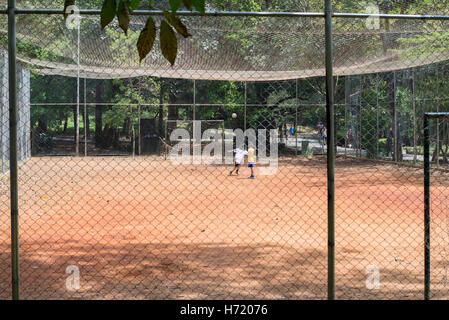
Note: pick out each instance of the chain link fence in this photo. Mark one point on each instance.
(23, 107)
(105, 212)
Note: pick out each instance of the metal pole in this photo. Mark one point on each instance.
(139, 119)
(192, 136)
(389, 16)
(143, 12)
(133, 134)
(438, 122)
(243, 14)
(244, 106)
(426, 209)
(2, 136)
(346, 127)
(395, 121)
(85, 118)
(223, 130)
(77, 133)
(13, 163)
(194, 100)
(414, 117)
(165, 141)
(377, 116)
(93, 104)
(360, 116)
(330, 150)
(296, 119)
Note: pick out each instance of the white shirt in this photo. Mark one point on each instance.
(239, 155)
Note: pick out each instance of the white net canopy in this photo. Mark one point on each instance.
(235, 48)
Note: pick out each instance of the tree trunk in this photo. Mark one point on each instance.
(98, 115)
(446, 141)
(107, 139)
(391, 101)
(161, 109)
(127, 127)
(435, 154)
(74, 108)
(42, 125)
(116, 138)
(335, 119)
(388, 43)
(268, 4)
(267, 123)
(75, 122)
(86, 122)
(66, 123)
(173, 113)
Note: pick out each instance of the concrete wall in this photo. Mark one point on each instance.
(23, 119)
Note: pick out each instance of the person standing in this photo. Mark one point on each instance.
(324, 133)
(349, 138)
(239, 156)
(251, 161)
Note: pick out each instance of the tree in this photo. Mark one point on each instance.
(170, 25)
(99, 114)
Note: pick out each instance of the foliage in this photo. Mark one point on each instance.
(169, 25)
(425, 45)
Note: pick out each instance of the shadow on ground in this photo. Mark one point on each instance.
(193, 271)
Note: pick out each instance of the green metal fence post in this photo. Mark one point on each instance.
(245, 105)
(13, 165)
(296, 117)
(330, 150)
(426, 208)
(414, 117)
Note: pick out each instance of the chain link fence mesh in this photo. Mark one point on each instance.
(439, 222)
(105, 213)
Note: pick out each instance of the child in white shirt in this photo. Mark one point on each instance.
(239, 156)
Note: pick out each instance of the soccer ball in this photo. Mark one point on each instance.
(234, 115)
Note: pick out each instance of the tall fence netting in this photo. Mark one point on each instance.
(106, 213)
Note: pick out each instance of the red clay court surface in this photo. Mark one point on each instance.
(144, 228)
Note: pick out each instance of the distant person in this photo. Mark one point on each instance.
(349, 137)
(292, 131)
(239, 156)
(251, 161)
(324, 133)
(319, 127)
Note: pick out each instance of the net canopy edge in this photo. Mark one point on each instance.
(344, 15)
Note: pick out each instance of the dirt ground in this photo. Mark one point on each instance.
(144, 228)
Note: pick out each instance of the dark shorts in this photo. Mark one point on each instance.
(237, 165)
(250, 165)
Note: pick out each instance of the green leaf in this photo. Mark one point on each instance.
(146, 39)
(174, 5)
(169, 42)
(133, 4)
(200, 5)
(177, 24)
(123, 16)
(188, 4)
(67, 3)
(150, 3)
(108, 12)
